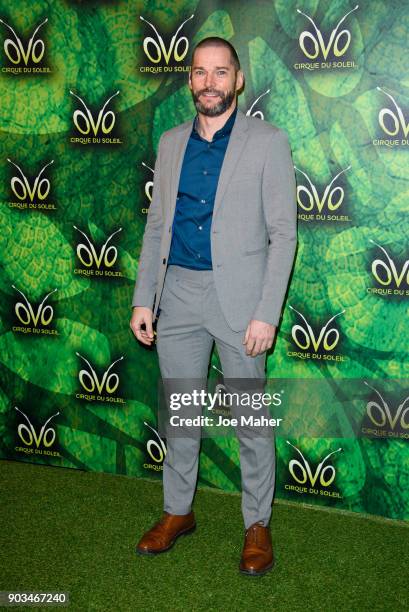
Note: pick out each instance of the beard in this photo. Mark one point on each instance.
(221, 107)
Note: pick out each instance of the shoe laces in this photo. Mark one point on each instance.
(255, 536)
(157, 528)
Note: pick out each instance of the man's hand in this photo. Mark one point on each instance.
(259, 337)
(142, 315)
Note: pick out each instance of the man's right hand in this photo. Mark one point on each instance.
(140, 316)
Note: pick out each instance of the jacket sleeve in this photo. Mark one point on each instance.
(145, 285)
(280, 213)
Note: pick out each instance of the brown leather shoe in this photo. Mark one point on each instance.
(257, 557)
(165, 532)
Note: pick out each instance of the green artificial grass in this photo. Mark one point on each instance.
(76, 531)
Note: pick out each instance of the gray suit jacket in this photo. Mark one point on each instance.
(254, 223)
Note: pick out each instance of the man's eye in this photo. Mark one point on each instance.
(221, 72)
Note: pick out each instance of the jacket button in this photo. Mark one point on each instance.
(164, 260)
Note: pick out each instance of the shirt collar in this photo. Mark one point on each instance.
(223, 131)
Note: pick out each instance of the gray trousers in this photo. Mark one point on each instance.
(190, 320)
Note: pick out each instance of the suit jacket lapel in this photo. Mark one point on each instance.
(176, 163)
(237, 140)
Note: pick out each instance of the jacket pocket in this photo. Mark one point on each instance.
(255, 251)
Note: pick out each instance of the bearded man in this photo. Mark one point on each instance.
(216, 258)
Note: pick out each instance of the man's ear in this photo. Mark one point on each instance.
(240, 79)
(190, 79)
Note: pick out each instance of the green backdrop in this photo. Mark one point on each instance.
(86, 90)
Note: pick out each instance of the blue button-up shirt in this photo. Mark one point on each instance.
(199, 177)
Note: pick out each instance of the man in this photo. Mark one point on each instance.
(217, 253)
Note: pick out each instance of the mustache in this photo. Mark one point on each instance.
(209, 91)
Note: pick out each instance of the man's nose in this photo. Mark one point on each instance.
(209, 82)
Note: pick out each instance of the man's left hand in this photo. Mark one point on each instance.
(259, 337)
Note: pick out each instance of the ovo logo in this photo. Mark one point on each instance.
(155, 49)
(397, 118)
(386, 272)
(29, 435)
(333, 197)
(90, 381)
(338, 41)
(22, 188)
(88, 255)
(257, 113)
(220, 388)
(304, 337)
(105, 120)
(325, 474)
(16, 52)
(380, 414)
(25, 312)
(148, 184)
(156, 449)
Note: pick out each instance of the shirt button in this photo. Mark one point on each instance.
(200, 227)
(198, 255)
(204, 171)
(203, 201)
